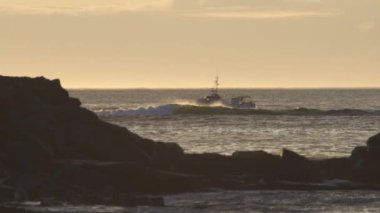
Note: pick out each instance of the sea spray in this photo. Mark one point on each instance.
(179, 109)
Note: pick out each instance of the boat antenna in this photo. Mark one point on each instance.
(215, 89)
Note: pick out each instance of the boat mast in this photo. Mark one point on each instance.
(216, 83)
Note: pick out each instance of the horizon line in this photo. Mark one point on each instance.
(225, 88)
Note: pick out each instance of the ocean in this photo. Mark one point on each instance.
(316, 123)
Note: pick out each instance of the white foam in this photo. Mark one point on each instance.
(159, 110)
(194, 103)
(338, 182)
(185, 102)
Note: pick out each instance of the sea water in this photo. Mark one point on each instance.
(316, 123)
(313, 122)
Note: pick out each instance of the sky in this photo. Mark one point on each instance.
(185, 43)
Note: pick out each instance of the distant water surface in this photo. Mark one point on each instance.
(314, 122)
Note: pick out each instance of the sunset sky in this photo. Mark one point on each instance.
(185, 43)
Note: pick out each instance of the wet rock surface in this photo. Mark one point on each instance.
(54, 151)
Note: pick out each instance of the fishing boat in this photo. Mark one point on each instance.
(213, 98)
(242, 102)
(239, 102)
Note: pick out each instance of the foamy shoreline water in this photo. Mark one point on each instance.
(243, 201)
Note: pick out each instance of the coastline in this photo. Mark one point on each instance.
(54, 151)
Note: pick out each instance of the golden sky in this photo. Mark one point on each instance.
(185, 43)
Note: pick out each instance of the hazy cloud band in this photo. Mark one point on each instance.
(263, 15)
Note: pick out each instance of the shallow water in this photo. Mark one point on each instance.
(275, 201)
(248, 201)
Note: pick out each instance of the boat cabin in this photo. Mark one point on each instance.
(242, 102)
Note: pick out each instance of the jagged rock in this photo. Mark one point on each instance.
(333, 168)
(39, 108)
(374, 141)
(26, 184)
(12, 209)
(163, 155)
(373, 144)
(23, 153)
(259, 164)
(295, 167)
(364, 164)
(89, 172)
(252, 165)
(205, 164)
(25, 93)
(6, 193)
(358, 157)
(252, 155)
(103, 141)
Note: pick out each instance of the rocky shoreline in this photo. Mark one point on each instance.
(54, 151)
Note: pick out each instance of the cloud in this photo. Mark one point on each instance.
(253, 9)
(303, 1)
(71, 7)
(263, 15)
(367, 26)
(234, 9)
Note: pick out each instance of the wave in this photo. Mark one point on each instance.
(159, 110)
(178, 109)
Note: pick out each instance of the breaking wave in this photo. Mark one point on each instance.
(177, 109)
(159, 110)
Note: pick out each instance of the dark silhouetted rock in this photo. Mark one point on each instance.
(206, 164)
(333, 168)
(364, 164)
(259, 164)
(374, 141)
(295, 167)
(24, 92)
(97, 175)
(252, 155)
(23, 153)
(358, 157)
(42, 109)
(6, 193)
(373, 144)
(13, 209)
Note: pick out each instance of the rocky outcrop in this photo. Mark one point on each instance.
(374, 141)
(41, 125)
(295, 167)
(364, 161)
(373, 146)
(53, 150)
(42, 110)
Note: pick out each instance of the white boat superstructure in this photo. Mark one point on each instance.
(242, 102)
